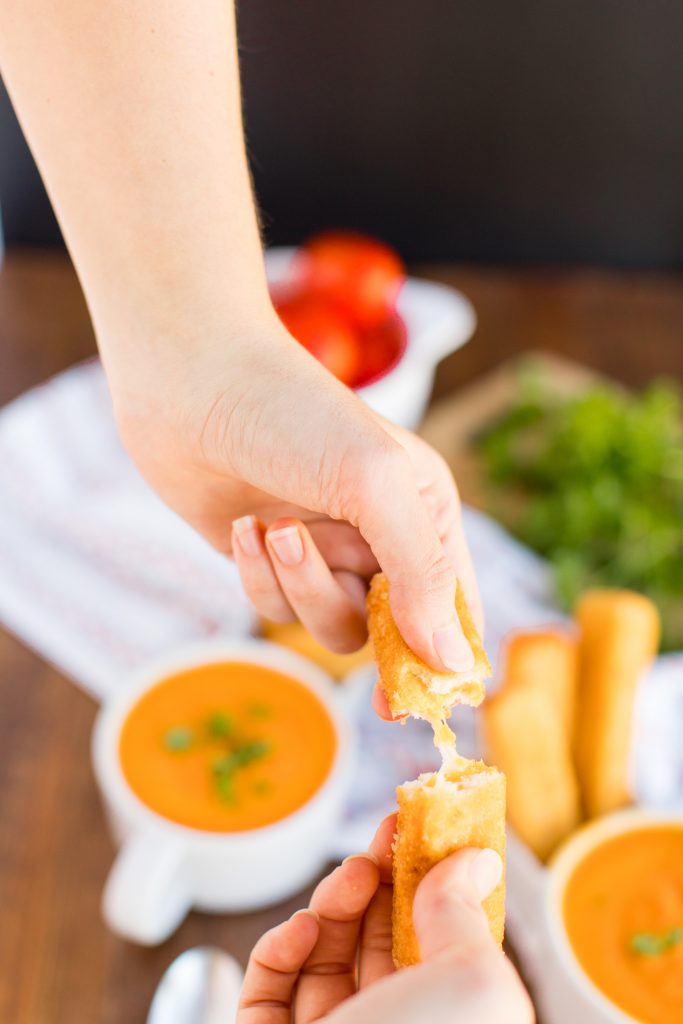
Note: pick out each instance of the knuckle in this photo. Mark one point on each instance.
(437, 578)
(368, 473)
(440, 576)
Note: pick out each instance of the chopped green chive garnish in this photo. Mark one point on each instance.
(224, 768)
(258, 710)
(220, 725)
(178, 738)
(226, 787)
(652, 944)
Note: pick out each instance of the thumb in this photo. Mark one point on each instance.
(393, 518)
(449, 920)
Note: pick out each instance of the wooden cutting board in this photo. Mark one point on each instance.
(452, 423)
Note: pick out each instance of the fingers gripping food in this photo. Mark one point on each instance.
(438, 814)
(463, 804)
(619, 638)
(526, 726)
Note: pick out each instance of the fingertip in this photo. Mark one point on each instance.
(306, 912)
(247, 537)
(453, 648)
(473, 870)
(382, 846)
(381, 707)
(303, 928)
(485, 871)
(447, 912)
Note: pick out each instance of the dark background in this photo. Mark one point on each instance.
(478, 130)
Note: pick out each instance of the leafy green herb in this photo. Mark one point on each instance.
(595, 484)
(220, 725)
(652, 944)
(225, 784)
(258, 710)
(178, 739)
(226, 767)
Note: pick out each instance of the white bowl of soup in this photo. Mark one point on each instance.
(605, 922)
(224, 770)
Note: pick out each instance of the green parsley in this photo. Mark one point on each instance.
(594, 483)
(220, 725)
(178, 739)
(653, 944)
(226, 767)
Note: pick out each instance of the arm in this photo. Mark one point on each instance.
(132, 110)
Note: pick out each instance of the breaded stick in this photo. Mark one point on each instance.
(619, 637)
(410, 686)
(437, 815)
(526, 729)
(547, 660)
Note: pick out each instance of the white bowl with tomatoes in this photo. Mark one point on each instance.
(347, 299)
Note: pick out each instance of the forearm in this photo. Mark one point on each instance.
(132, 110)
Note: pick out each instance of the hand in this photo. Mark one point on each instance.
(321, 491)
(332, 962)
(225, 414)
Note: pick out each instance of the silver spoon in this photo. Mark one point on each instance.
(201, 986)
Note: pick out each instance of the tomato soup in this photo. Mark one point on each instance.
(623, 911)
(227, 747)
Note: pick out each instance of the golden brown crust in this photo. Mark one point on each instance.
(545, 660)
(410, 685)
(527, 733)
(436, 817)
(619, 638)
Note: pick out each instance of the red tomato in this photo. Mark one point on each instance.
(382, 347)
(324, 331)
(363, 274)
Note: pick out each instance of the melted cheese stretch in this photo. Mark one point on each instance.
(444, 741)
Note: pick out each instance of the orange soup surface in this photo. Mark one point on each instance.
(623, 910)
(227, 747)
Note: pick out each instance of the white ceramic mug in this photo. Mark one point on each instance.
(564, 992)
(163, 869)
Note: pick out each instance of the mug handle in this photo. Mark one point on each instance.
(147, 895)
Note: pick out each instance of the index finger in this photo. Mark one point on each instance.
(382, 847)
(273, 970)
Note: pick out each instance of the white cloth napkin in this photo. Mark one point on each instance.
(98, 576)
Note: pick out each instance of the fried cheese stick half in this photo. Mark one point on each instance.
(438, 814)
(527, 729)
(411, 686)
(619, 637)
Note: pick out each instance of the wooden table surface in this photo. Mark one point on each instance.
(58, 963)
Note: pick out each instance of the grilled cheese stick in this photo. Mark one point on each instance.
(463, 804)
(619, 638)
(438, 814)
(410, 686)
(526, 726)
(545, 660)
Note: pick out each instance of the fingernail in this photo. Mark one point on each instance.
(248, 535)
(306, 910)
(360, 856)
(485, 872)
(453, 649)
(287, 545)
